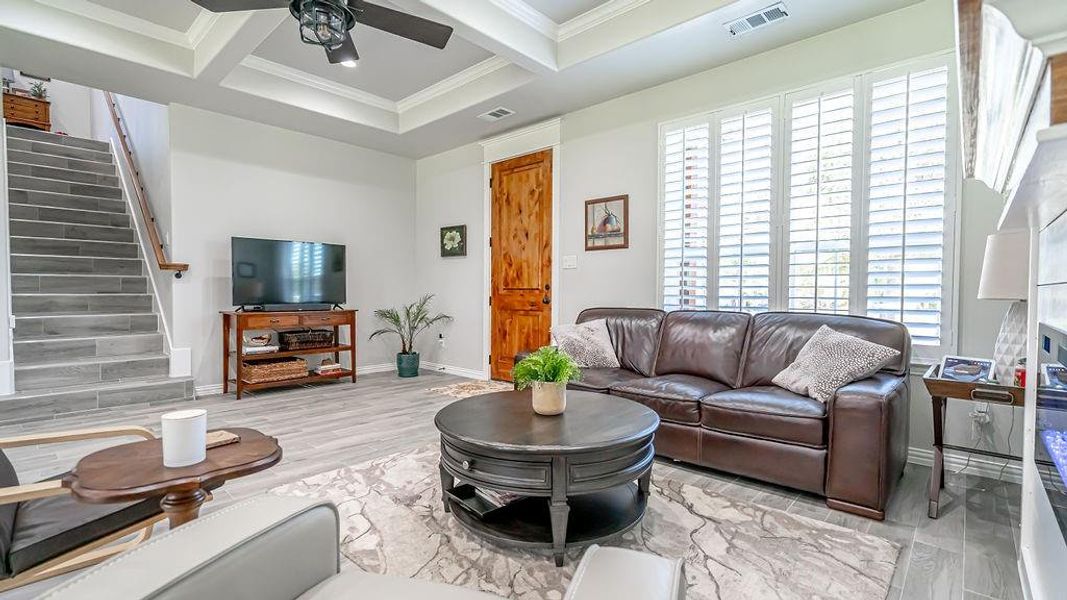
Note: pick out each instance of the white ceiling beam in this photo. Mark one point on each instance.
(480, 83)
(496, 26)
(622, 22)
(231, 38)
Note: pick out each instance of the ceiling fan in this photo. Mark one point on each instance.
(328, 23)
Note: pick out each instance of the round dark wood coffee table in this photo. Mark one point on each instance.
(130, 472)
(590, 467)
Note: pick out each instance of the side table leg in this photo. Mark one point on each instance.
(182, 507)
(937, 470)
(559, 511)
(447, 481)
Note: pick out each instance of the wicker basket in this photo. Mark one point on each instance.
(278, 369)
(305, 339)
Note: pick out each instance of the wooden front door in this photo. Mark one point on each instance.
(521, 246)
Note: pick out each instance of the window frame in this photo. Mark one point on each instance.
(781, 106)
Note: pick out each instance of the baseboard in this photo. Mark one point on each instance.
(208, 390)
(457, 371)
(980, 465)
(7, 377)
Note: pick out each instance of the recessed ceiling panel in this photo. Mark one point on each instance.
(562, 11)
(172, 14)
(390, 66)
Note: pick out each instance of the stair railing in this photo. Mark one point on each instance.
(139, 191)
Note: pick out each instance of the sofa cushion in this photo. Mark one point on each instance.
(704, 343)
(600, 380)
(8, 478)
(634, 333)
(775, 340)
(767, 412)
(674, 397)
(48, 527)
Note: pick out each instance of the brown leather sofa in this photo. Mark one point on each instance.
(708, 376)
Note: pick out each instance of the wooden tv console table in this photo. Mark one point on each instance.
(238, 322)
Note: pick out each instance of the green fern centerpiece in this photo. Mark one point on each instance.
(547, 371)
(407, 323)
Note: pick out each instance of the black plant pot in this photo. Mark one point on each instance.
(407, 365)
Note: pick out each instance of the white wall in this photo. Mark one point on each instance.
(232, 177)
(70, 110)
(611, 148)
(148, 128)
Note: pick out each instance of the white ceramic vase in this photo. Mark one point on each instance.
(549, 398)
(184, 437)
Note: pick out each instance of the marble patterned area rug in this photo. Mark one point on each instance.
(392, 521)
(472, 388)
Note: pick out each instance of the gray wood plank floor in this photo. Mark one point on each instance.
(969, 553)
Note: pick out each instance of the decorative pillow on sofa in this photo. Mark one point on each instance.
(830, 360)
(588, 343)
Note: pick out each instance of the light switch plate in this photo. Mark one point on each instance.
(570, 261)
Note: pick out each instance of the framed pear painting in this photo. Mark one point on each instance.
(607, 223)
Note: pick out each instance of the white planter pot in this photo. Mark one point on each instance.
(184, 437)
(549, 398)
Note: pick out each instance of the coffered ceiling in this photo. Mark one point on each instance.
(540, 58)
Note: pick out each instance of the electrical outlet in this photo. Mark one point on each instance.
(441, 339)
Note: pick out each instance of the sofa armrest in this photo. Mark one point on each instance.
(868, 445)
(268, 547)
(616, 573)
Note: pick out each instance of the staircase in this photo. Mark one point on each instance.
(87, 336)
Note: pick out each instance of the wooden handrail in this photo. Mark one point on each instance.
(142, 200)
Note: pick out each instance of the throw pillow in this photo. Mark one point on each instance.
(830, 360)
(589, 344)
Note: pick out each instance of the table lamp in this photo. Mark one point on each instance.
(1005, 276)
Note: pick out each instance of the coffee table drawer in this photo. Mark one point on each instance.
(495, 472)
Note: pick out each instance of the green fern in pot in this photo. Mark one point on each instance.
(547, 371)
(407, 322)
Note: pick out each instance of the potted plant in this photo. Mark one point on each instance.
(547, 371)
(407, 323)
(38, 90)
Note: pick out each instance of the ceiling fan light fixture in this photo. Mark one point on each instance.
(323, 22)
(351, 64)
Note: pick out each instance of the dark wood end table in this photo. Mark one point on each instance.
(582, 476)
(940, 391)
(131, 472)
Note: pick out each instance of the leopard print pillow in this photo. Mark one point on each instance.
(589, 344)
(831, 359)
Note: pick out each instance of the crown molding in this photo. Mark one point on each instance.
(453, 82)
(313, 81)
(597, 16)
(530, 16)
(121, 20)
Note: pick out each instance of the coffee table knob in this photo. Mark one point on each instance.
(466, 465)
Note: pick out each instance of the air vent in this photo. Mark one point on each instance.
(757, 19)
(496, 114)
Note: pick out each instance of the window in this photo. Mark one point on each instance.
(906, 212)
(744, 240)
(835, 199)
(820, 203)
(685, 218)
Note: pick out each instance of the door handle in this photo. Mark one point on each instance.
(546, 300)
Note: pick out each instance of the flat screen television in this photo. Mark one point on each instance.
(280, 272)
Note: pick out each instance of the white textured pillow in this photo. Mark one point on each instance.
(588, 343)
(830, 360)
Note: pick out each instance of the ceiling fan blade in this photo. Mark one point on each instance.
(236, 5)
(402, 24)
(343, 53)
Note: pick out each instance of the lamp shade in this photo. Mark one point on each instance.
(1006, 268)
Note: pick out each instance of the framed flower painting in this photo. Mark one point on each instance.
(454, 240)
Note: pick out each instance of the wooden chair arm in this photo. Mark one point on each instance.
(30, 491)
(74, 435)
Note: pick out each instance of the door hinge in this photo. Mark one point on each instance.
(490, 241)
(490, 359)
(490, 183)
(490, 300)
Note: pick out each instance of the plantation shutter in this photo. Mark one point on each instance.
(685, 218)
(906, 217)
(820, 203)
(744, 223)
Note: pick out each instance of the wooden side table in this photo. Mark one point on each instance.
(131, 472)
(940, 391)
